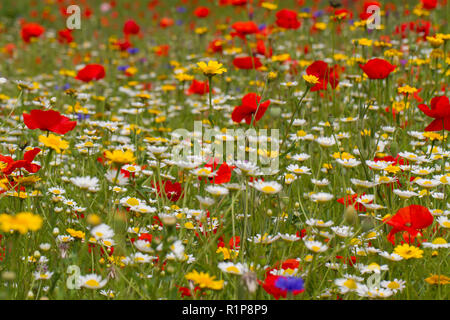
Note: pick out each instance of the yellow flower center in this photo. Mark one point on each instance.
(351, 284)
(393, 285)
(92, 283)
(268, 189)
(133, 202)
(233, 269)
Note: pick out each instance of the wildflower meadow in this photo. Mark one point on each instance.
(224, 150)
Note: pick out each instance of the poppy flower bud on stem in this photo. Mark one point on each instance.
(367, 224)
(351, 215)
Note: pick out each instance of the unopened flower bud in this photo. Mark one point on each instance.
(351, 215)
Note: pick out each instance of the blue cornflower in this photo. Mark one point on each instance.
(133, 50)
(318, 13)
(82, 116)
(290, 283)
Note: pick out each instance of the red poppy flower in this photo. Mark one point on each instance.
(287, 19)
(261, 49)
(287, 264)
(440, 111)
(410, 219)
(250, 106)
(201, 12)
(234, 242)
(172, 191)
(91, 72)
(404, 27)
(9, 49)
(65, 36)
(301, 233)
(352, 200)
(215, 46)
(429, 4)
(146, 237)
(238, 2)
(48, 120)
(223, 174)
(198, 87)
(166, 22)
(416, 95)
(269, 286)
(394, 161)
(364, 15)
(131, 27)
(123, 44)
(31, 30)
(26, 163)
(244, 28)
(377, 68)
(325, 74)
(423, 27)
(350, 261)
(162, 50)
(343, 14)
(247, 63)
(185, 292)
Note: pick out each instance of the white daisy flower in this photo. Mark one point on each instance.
(267, 187)
(92, 281)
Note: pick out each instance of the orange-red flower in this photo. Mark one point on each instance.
(91, 72)
(247, 63)
(366, 14)
(325, 74)
(65, 36)
(201, 12)
(440, 111)
(172, 191)
(377, 68)
(287, 19)
(31, 30)
(131, 27)
(241, 28)
(251, 105)
(48, 120)
(198, 87)
(166, 22)
(429, 4)
(409, 219)
(26, 163)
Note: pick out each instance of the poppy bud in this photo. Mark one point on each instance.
(367, 224)
(394, 148)
(170, 269)
(275, 112)
(351, 216)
